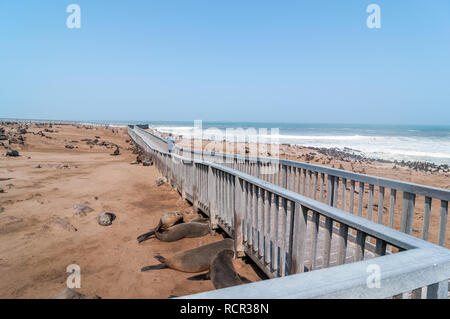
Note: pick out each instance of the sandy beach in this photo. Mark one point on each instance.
(41, 231)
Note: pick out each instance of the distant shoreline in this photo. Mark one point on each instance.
(351, 152)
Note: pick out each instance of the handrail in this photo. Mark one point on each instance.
(400, 272)
(279, 229)
(435, 192)
(295, 175)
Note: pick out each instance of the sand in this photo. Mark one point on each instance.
(41, 234)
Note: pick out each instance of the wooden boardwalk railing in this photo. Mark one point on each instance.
(287, 233)
(404, 206)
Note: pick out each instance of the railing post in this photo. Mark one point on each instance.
(239, 206)
(212, 199)
(330, 190)
(284, 181)
(194, 188)
(299, 239)
(438, 290)
(408, 212)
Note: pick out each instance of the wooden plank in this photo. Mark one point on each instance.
(238, 217)
(392, 203)
(260, 216)
(316, 176)
(328, 233)
(443, 222)
(352, 196)
(426, 218)
(380, 204)
(335, 191)
(245, 213)
(342, 243)
(304, 181)
(370, 204)
(380, 248)
(314, 241)
(281, 238)
(360, 246)
(361, 198)
(253, 218)
(309, 184)
(299, 239)
(284, 176)
(344, 198)
(407, 212)
(212, 199)
(330, 187)
(273, 232)
(266, 223)
(322, 181)
(289, 235)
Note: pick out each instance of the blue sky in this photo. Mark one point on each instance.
(286, 61)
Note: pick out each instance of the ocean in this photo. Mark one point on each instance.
(388, 142)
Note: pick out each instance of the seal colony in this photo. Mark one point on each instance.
(52, 187)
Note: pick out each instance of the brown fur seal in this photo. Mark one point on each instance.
(166, 221)
(193, 260)
(222, 272)
(187, 230)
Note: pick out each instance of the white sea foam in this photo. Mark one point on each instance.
(415, 147)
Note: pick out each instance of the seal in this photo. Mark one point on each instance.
(166, 221)
(222, 272)
(193, 260)
(187, 230)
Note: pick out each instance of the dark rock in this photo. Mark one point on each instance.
(116, 152)
(3, 137)
(11, 152)
(149, 163)
(69, 146)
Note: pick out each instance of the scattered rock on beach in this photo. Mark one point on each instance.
(2, 209)
(69, 146)
(116, 152)
(38, 166)
(11, 152)
(1, 190)
(161, 180)
(82, 210)
(105, 219)
(148, 163)
(3, 137)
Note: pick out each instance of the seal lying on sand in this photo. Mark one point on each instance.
(167, 220)
(222, 272)
(193, 260)
(196, 228)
